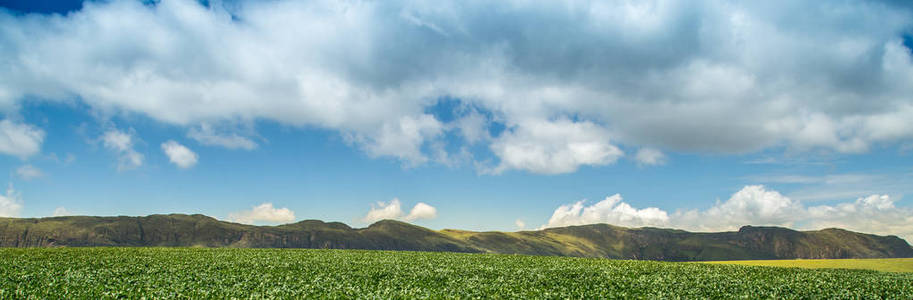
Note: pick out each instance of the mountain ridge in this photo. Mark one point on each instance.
(594, 240)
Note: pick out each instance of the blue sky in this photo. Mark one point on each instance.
(462, 115)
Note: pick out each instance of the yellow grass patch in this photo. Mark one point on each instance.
(877, 264)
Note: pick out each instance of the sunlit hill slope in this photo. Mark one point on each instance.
(598, 240)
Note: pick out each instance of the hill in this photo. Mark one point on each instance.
(597, 240)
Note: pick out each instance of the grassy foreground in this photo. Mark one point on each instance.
(877, 264)
(285, 273)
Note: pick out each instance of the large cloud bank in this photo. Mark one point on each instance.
(752, 205)
(568, 81)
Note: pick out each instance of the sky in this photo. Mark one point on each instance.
(479, 115)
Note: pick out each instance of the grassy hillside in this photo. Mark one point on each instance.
(200, 273)
(602, 240)
(598, 240)
(177, 230)
(878, 264)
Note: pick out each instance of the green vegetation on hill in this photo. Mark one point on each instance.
(598, 240)
(877, 264)
(602, 240)
(177, 230)
(201, 273)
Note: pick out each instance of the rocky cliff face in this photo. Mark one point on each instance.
(827, 243)
(598, 240)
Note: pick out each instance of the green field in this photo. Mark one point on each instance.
(877, 264)
(285, 273)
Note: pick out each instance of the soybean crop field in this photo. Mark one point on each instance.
(299, 273)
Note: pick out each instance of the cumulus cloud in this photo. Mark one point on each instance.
(673, 75)
(611, 210)
(392, 210)
(179, 155)
(19, 139)
(29, 172)
(553, 147)
(383, 210)
(650, 157)
(206, 135)
(122, 143)
(263, 213)
(61, 211)
(874, 214)
(752, 205)
(421, 211)
(11, 203)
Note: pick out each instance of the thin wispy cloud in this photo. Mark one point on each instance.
(122, 143)
(840, 186)
(207, 135)
(29, 172)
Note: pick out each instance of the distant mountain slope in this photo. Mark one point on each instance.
(598, 240)
(602, 240)
(201, 231)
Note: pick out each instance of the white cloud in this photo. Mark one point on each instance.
(650, 157)
(873, 214)
(474, 127)
(611, 210)
(520, 224)
(206, 135)
(383, 210)
(11, 203)
(29, 172)
(179, 155)
(67, 159)
(554, 147)
(61, 211)
(421, 211)
(752, 205)
(20, 139)
(117, 140)
(402, 138)
(807, 179)
(392, 210)
(264, 213)
(840, 186)
(177, 61)
(122, 143)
